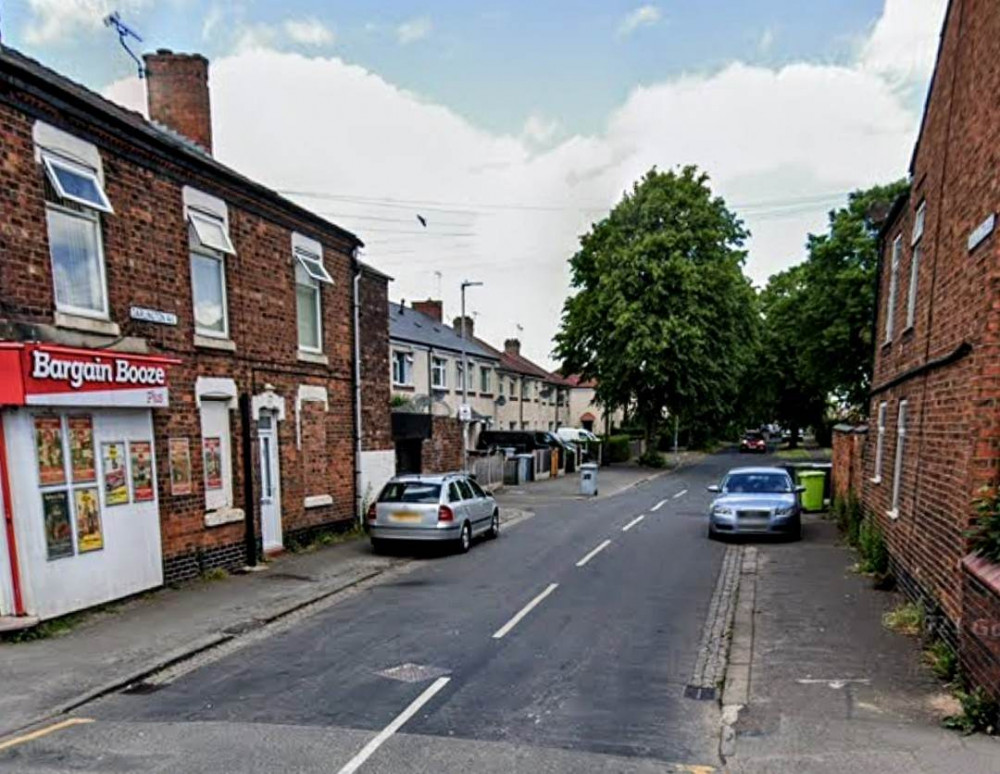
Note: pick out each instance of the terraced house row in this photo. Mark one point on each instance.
(192, 368)
(932, 446)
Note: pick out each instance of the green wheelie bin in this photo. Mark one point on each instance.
(812, 498)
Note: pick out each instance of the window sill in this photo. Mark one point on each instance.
(210, 342)
(317, 501)
(223, 516)
(317, 358)
(404, 388)
(86, 324)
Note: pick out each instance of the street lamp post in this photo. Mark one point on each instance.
(465, 379)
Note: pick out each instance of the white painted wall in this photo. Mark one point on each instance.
(377, 467)
(130, 561)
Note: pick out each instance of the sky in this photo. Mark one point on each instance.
(510, 127)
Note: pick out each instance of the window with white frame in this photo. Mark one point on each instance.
(209, 244)
(402, 369)
(883, 409)
(500, 385)
(917, 250)
(890, 308)
(897, 472)
(76, 199)
(439, 373)
(485, 379)
(459, 375)
(310, 276)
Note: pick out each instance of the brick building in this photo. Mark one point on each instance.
(934, 432)
(160, 315)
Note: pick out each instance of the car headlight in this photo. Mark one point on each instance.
(784, 513)
(722, 510)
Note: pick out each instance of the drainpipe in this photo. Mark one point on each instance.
(8, 513)
(356, 325)
(249, 503)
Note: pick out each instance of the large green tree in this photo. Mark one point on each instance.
(818, 316)
(662, 316)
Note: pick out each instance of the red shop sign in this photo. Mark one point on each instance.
(50, 375)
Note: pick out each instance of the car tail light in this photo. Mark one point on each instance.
(445, 513)
(371, 512)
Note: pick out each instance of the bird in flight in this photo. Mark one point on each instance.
(423, 220)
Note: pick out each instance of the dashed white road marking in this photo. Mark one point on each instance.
(659, 505)
(369, 749)
(632, 523)
(681, 493)
(593, 553)
(505, 629)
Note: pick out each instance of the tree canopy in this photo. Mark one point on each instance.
(662, 316)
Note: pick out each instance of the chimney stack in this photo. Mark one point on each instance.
(470, 327)
(433, 309)
(177, 94)
(512, 347)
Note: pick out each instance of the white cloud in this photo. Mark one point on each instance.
(643, 16)
(508, 210)
(904, 41)
(308, 32)
(54, 21)
(414, 30)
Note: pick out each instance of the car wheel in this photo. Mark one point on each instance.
(712, 534)
(465, 539)
(494, 531)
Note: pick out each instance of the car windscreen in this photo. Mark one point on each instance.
(410, 492)
(757, 483)
(754, 437)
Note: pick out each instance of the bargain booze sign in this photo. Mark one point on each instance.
(62, 376)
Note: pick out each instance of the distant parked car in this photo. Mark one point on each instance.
(522, 441)
(450, 507)
(753, 442)
(762, 501)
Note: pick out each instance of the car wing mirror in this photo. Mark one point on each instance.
(715, 488)
(800, 489)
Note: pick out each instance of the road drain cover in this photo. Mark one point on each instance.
(699, 693)
(413, 673)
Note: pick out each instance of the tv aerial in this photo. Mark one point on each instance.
(114, 20)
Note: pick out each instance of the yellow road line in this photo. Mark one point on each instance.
(43, 732)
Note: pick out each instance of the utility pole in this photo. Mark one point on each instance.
(465, 381)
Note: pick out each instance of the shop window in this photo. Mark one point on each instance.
(216, 453)
(402, 369)
(439, 373)
(890, 308)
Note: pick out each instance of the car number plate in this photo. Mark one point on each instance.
(405, 516)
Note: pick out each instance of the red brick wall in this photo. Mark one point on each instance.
(953, 442)
(848, 447)
(442, 452)
(376, 419)
(147, 264)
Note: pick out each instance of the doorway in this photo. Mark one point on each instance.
(270, 483)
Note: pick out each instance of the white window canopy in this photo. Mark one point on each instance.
(76, 182)
(210, 231)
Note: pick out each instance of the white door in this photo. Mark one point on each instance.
(270, 483)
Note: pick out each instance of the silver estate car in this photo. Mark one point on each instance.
(756, 501)
(449, 507)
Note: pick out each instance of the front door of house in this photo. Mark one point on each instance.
(270, 483)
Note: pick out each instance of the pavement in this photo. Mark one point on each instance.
(824, 686)
(566, 645)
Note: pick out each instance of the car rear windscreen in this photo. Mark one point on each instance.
(758, 483)
(410, 492)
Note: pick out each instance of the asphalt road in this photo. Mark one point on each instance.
(564, 646)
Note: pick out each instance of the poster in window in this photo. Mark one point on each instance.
(89, 536)
(81, 449)
(179, 453)
(115, 478)
(141, 457)
(58, 530)
(213, 463)
(49, 451)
